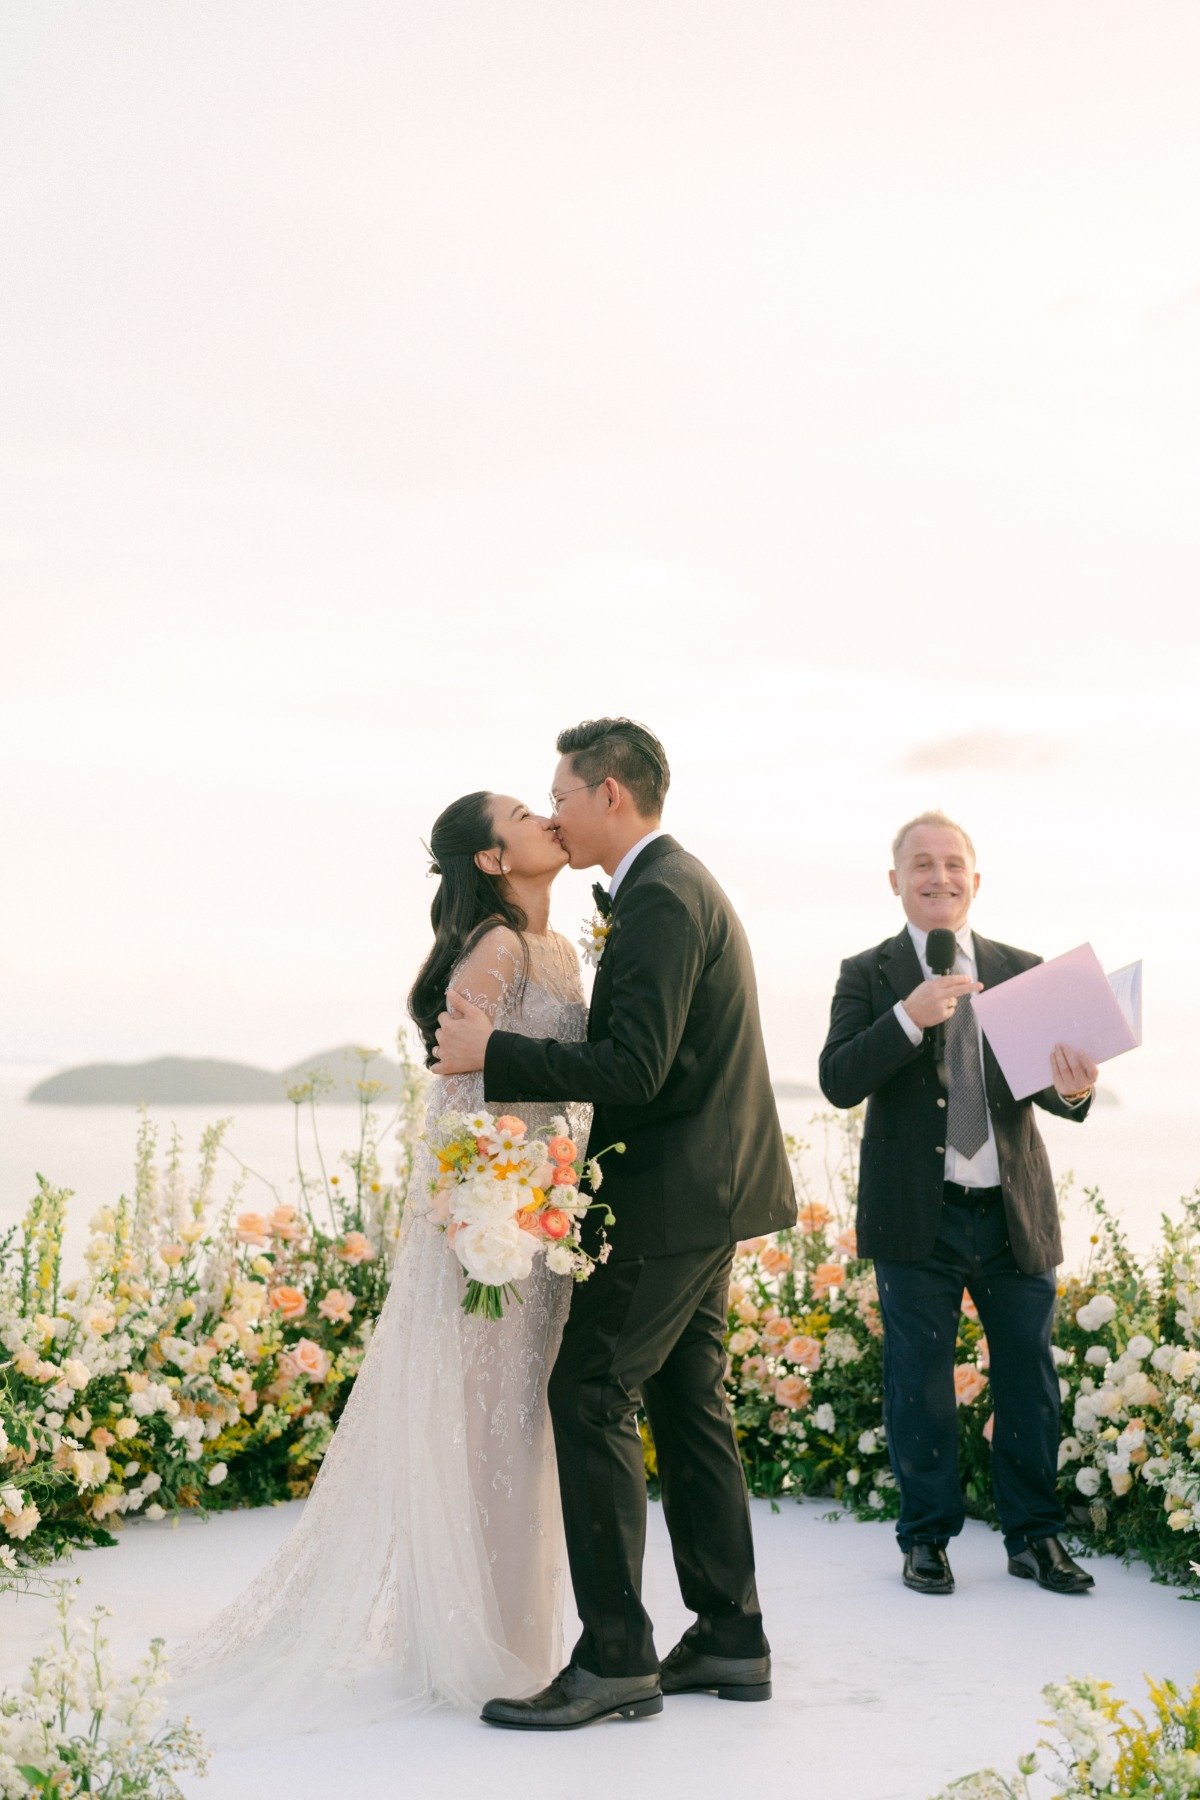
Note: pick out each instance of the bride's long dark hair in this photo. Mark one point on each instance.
(468, 903)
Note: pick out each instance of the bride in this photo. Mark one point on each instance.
(428, 1565)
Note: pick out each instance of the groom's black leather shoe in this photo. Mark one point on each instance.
(577, 1697)
(927, 1569)
(689, 1671)
(1045, 1561)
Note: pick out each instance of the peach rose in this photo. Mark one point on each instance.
(846, 1242)
(754, 1371)
(355, 1248)
(968, 1383)
(746, 1310)
(989, 1428)
(805, 1351)
(561, 1150)
(751, 1246)
(252, 1228)
(825, 1276)
(289, 1302)
(775, 1259)
(510, 1125)
(336, 1306)
(793, 1391)
(285, 1223)
(740, 1342)
(102, 1437)
(779, 1421)
(172, 1253)
(968, 1308)
(813, 1217)
(309, 1359)
(777, 1332)
(543, 1175)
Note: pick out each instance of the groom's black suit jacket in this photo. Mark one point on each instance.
(867, 1056)
(674, 1065)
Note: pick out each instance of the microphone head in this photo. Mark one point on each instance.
(941, 948)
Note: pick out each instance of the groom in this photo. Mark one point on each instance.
(676, 1070)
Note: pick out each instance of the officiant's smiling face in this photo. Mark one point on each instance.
(935, 877)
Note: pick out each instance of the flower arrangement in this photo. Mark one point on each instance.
(1105, 1747)
(73, 1728)
(504, 1196)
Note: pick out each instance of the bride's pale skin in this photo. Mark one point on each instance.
(525, 859)
(592, 824)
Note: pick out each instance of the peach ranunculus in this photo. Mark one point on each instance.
(813, 1217)
(563, 1176)
(968, 1308)
(355, 1248)
(252, 1228)
(793, 1391)
(969, 1383)
(775, 1258)
(309, 1359)
(511, 1126)
(289, 1302)
(285, 1223)
(555, 1223)
(561, 1150)
(337, 1305)
(825, 1276)
(846, 1242)
(805, 1351)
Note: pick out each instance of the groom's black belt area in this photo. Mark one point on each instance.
(958, 1195)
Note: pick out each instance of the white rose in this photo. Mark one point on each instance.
(1070, 1450)
(1098, 1311)
(76, 1373)
(867, 1442)
(1139, 1346)
(1088, 1481)
(823, 1418)
(155, 1512)
(1097, 1355)
(1061, 1357)
(217, 1474)
(1163, 1357)
(1184, 1365)
(495, 1251)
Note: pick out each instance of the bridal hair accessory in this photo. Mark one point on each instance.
(435, 867)
(503, 1198)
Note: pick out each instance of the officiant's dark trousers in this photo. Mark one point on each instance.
(920, 1303)
(650, 1332)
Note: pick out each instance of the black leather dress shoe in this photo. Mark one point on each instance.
(577, 1697)
(1045, 1561)
(690, 1671)
(927, 1569)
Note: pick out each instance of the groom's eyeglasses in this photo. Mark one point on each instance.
(556, 800)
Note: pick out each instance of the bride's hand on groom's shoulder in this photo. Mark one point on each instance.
(463, 1032)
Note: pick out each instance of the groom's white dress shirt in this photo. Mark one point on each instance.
(623, 867)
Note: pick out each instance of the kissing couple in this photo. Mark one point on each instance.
(478, 1458)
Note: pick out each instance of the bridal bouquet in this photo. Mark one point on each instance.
(504, 1197)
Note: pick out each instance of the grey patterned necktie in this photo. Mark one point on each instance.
(967, 1121)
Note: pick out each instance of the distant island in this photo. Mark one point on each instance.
(207, 1081)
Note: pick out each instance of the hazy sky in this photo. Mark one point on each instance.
(385, 387)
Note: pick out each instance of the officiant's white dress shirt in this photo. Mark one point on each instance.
(982, 1169)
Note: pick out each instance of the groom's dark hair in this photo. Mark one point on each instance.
(625, 750)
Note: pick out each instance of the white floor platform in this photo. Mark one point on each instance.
(880, 1694)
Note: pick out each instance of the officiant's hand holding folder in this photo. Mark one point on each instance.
(1067, 1000)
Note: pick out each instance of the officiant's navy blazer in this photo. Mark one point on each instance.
(674, 1065)
(869, 1056)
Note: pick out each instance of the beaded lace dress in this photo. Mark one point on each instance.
(428, 1566)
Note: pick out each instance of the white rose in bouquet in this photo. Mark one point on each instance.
(495, 1251)
(1098, 1311)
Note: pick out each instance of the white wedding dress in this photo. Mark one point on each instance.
(428, 1566)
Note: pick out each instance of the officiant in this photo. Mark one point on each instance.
(955, 1193)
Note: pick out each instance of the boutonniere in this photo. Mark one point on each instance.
(594, 937)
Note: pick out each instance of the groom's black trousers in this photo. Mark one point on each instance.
(650, 1331)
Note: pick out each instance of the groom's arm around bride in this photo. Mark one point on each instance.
(675, 1067)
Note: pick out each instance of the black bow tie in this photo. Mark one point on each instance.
(603, 899)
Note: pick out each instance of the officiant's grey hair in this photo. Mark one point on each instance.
(624, 750)
(930, 818)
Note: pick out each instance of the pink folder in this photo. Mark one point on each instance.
(1068, 1000)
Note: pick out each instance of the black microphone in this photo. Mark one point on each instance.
(941, 949)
